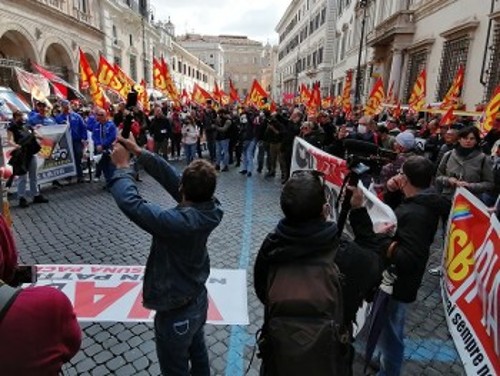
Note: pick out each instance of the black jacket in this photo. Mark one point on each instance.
(306, 239)
(418, 219)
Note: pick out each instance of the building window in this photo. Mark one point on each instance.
(320, 55)
(133, 67)
(115, 35)
(82, 6)
(131, 40)
(117, 60)
(189, 71)
(454, 54)
(417, 62)
(493, 71)
(184, 68)
(179, 67)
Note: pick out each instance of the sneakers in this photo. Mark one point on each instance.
(23, 203)
(96, 180)
(39, 199)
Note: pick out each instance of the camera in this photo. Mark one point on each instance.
(370, 155)
(24, 274)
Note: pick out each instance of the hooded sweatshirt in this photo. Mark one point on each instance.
(288, 242)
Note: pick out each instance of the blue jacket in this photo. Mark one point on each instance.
(34, 118)
(178, 264)
(104, 134)
(76, 124)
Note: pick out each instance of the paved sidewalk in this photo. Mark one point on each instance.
(82, 225)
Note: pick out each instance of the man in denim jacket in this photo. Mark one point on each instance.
(178, 264)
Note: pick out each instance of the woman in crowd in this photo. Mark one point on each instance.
(465, 166)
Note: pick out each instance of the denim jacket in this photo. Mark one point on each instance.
(178, 264)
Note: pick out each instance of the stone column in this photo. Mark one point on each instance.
(395, 75)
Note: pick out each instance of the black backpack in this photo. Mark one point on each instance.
(303, 332)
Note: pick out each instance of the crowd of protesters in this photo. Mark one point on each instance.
(258, 140)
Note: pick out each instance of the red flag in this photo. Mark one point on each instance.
(390, 94)
(88, 77)
(217, 93)
(376, 98)
(397, 111)
(346, 95)
(59, 84)
(107, 77)
(200, 95)
(314, 100)
(143, 97)
(233, 93)
(491, 112)
(448, 118)
(417, 97)
(305, 94)
(453, 95)
(256, 95)
(171, 88)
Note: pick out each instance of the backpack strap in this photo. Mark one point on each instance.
(7, 296)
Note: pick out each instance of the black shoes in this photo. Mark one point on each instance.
(225, 169)
(39, 199)
(243, 172)
(270, 175)
(23, 203)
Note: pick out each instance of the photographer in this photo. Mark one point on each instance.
(304, 248)
(417, 216)
(38, 328)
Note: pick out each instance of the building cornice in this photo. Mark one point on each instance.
(64, 17)
(461, 28)
(430, 7)
(423, 44)
(495, 15)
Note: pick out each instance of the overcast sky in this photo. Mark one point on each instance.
(253, 18)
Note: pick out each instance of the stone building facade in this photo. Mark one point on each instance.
(50, 33)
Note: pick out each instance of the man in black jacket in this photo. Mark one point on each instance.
(418, 216)
(302, 237)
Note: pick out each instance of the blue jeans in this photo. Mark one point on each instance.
(21, 182)
(106, 166)
(180, 339)
(248, 154)
(190, 151)
(391, 343)
(222, 147)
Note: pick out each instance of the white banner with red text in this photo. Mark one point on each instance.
(471, 284)
(114, 293)
(307, 157)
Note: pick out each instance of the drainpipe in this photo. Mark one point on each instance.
(481, 76)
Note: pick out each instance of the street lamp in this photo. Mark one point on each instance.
(357, 95)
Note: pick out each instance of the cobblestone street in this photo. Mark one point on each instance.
(82, 225)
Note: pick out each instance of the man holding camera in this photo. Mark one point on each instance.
(418, 216)
(178, 264)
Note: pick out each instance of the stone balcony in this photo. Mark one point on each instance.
(400, 23)
(61, 8)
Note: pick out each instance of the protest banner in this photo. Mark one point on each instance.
(307, 157)
(471, 284)
(113, 293)
(55, 159)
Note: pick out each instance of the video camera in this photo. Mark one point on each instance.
(132, 98)
(361, 157)
(369, 155)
